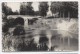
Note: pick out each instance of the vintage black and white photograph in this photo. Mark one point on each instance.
(40, 26)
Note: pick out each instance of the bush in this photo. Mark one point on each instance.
(5, 28)
(11, 22)
(19, 30)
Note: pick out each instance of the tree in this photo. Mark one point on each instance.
(65, 9)
(43, 8)
(10, 22)
(22, 8)
(29, 9)
(9, 11)
(5, 9)
(56, 7)
(72, 9)
(26, 9)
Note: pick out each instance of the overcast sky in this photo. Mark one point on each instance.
(16, 5)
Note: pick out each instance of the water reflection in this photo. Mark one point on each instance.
(59, 38)
(53, 38)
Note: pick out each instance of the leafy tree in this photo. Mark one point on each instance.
(71, 8)
(10, 22)
(43, 8)
(5, 9)
(29, 9)
(65, 9)
(26, 9)
(22, 8)
(56, 7)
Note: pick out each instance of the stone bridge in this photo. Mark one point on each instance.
(24, 18)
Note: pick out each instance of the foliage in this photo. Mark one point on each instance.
(65, 8)
(5, 28)
(5, 9)
(19, 30)
(43, 8)
(26, 9)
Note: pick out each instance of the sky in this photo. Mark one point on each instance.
(16, 6)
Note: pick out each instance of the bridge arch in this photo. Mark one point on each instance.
(19, 20)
